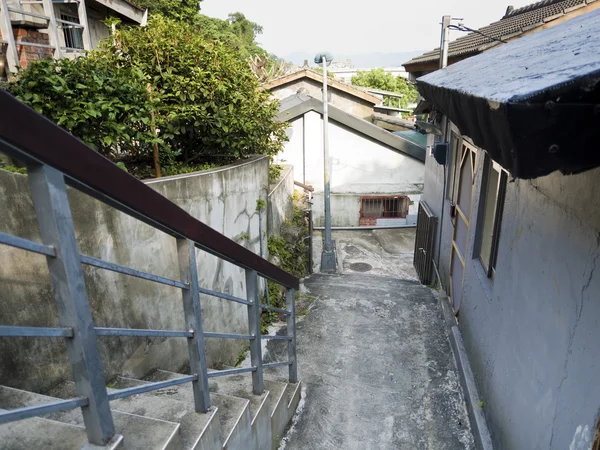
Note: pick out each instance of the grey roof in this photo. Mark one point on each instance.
(530, 103)
(299, 104)
(512, 25)
(528, 67)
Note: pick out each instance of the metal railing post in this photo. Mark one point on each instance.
(49, 194)
(193, 321)
(258, 385)
(291, 330)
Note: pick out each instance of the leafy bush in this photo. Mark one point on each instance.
(211, 105)
(164, 94)
(104, 105)
(380, 79)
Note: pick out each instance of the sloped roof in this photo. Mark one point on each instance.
(299, 104)
(514, 24)
(316, 76)
(530, 103)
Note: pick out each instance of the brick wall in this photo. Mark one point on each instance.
(27, 53)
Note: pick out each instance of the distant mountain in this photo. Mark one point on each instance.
(360, 60)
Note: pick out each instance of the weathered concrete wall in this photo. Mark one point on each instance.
(346, 102)
(532, 332)
(280, 206)
(224, 198)
(345, 209)
(360, 166)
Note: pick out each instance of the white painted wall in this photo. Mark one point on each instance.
(360, 166)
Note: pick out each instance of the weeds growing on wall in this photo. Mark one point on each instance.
(291, 254)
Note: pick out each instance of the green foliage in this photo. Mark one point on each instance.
(275, 172)
(237, 32)
(14, 169)
(380, 79)
(164, 84)
(260, 204)
(174, 9)
(104, 105)
(210, 103)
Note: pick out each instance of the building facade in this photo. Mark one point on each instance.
(376, 177)
(57, 29)
(518, 240)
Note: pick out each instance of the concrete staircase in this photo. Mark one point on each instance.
(164, 419)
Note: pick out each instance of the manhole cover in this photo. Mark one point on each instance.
(360, 267)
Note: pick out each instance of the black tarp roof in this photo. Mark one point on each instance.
(531, 104)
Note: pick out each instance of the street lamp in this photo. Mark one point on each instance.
(328, 263)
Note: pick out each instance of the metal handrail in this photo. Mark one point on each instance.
(92, 173)
(48, 172)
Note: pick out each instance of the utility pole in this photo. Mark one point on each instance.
(328, 262)
(445, 41)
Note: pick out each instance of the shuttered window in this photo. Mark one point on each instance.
(491, 212)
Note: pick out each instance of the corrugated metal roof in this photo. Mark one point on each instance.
(511, 25)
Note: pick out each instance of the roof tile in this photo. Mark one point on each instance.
(513, 24)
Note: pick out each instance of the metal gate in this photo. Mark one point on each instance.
(425, 244)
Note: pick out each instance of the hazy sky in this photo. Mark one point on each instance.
(357, 26)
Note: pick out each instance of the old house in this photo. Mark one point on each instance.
(518, 235)
(343, 96)
(34, 30)
(515, 24)
(377, 176)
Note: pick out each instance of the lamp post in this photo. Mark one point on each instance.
(328, 262)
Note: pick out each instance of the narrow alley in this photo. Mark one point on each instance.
(375, 358)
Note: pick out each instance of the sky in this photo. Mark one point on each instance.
(371, 26)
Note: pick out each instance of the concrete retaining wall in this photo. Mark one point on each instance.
(224, 198)
(280, 205)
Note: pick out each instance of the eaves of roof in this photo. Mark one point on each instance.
(513, 25)
(299, 104)
(125, 8)
(315, 76)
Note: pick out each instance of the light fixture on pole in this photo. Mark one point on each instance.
(328, 262)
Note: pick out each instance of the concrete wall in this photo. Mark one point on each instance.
(346, 102)
(532, 332)
(360, 166)
(223, 198)
(280, 206)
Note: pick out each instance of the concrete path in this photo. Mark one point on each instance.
(374, 357)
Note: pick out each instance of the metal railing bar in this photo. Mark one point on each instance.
(39, 410)
(128, 392)
(26, 244)
(73, 24)
(100, 331)
(267, 337)
(28, 13)
(223, 296)
(34, 44)
(224, 373)
(91, 261)
(277, 364)
(272, 308)
(15, 331)
(229, 336)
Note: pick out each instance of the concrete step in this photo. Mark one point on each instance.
(139, 433)
(40, 433)
(234, 411)
(285, 408)
(198, 431)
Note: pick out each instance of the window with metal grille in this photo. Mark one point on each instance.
(384, 207)
(491, 210)
(73, 35)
